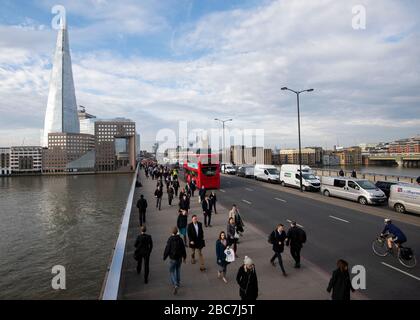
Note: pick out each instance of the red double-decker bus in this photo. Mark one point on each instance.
(204, 168)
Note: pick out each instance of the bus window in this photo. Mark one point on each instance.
(209, 170)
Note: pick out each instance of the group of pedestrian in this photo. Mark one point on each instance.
(342, 174)
(226, 245)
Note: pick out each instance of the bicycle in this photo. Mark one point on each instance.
(380, 248)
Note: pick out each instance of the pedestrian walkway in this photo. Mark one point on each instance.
(306, 283)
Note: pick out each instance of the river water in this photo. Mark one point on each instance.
(71, 221)
(391, 171)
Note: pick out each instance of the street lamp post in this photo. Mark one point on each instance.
(223, 123)
(300, 148)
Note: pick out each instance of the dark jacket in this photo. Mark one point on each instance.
(230, 233)
(175, 248)
(142, 204)
(144, 245)
(220, 253)
(340, 284)
(202, 193)
(295, 235)
(171, 192)
(184, 204)
(248, 283)
(277, 237)
(175, 184)
(182, 221)
(213, 200)
(206, 206)
(193, 187)
(198, 240)
(159, 193)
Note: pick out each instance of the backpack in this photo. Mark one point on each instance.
(270, 239)
(406, 253)
(302, 235)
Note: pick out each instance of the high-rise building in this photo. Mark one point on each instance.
(115, 144)
(61, 114)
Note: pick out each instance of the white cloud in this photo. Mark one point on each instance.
(365, 86)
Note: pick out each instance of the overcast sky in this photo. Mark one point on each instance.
(159, 62)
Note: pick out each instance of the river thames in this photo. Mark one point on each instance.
(71, 221)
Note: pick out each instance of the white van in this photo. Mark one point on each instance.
(360, 190)
(289, 175)
(266, 172)
(405, 198)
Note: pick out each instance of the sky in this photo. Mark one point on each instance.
(161, 62)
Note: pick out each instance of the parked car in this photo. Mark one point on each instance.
(267, 173)
(385, 186)
(360, 190)
(405, 197)
(290, 176)
(228, 169)
(245, 171)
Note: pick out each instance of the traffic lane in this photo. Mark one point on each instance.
(382, 211)
(340, 212)
(351, 243)
(320, 210)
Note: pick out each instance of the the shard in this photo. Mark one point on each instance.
(61, 114)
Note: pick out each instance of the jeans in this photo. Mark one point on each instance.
(146, 266)
(158, 202)
(295, 252)
(175, 271)
(278, 256)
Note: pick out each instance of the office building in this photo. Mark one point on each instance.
(5, 168)
(26, 159)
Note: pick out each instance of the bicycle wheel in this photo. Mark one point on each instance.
(411, 263)
(380, 247)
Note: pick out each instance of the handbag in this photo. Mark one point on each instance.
(236, 236)
(230, 255)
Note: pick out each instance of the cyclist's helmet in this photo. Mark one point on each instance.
(387, 220)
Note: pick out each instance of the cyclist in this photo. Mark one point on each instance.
(396, 235)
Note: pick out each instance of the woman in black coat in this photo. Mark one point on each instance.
(247, 280)
(340, 282)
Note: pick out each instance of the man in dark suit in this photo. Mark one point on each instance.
(142, 206)
(144, 246)
(196, 239)
(207, 209)
(277, 239)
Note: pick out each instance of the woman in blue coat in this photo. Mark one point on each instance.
(221, 245)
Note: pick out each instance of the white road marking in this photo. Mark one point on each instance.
(282, 200)
(221, 190)
(246, 202)
(290, 221)
(249, 189)
(340, 219)
(406, 273)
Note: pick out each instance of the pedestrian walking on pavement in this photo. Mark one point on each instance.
(182, 223)
(296, 237)
(184, 203)
(158, 195)
(175, 184)
(201, 193)
(213, 201)
(196, 240)
(193, 187)
(221, 246)
(175, 250)
(277, 239)
(232, 235)
(144, 246)
(340, 283)
(354, 174)
(206, 206)
(341, 173)
(171, 193)
(418, 180)
(234, 213)
(142, 206)
(247, 280)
